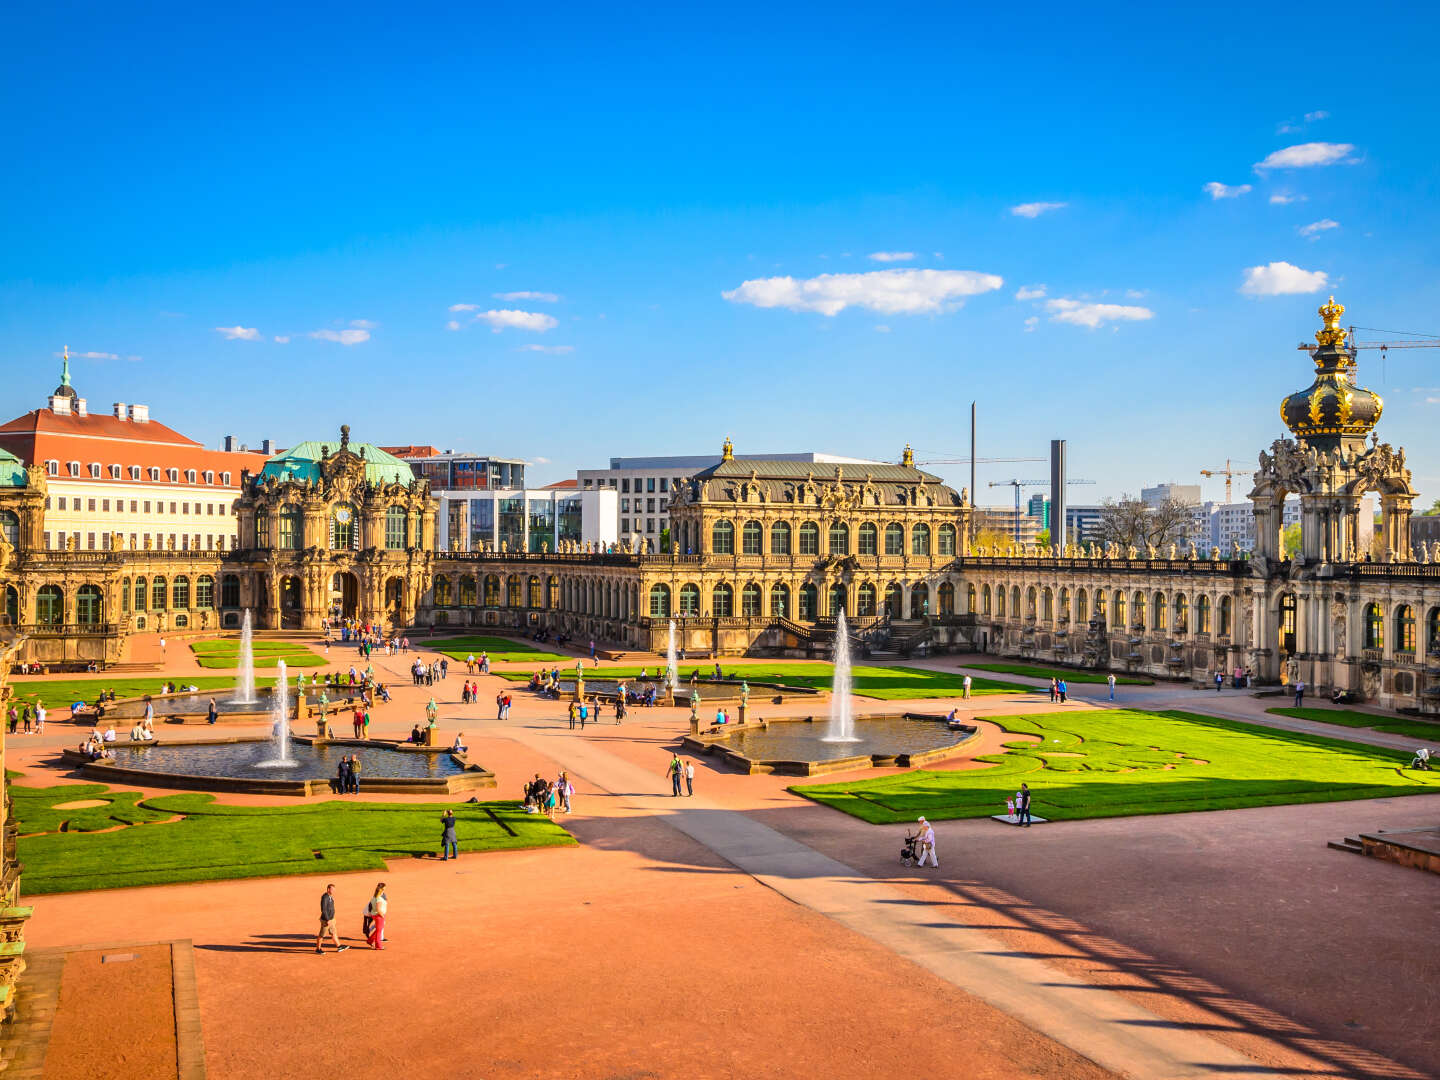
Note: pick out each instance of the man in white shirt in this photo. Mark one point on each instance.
(926, 844)
(966, 684)
(1110, 681)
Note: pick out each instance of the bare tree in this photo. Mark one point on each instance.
(1129, 521)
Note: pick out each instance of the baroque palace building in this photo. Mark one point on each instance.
(767, 553)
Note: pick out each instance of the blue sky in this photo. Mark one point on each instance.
(267, 221)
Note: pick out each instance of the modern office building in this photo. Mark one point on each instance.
(1022, 528)
(448, 471)
(534, 520)
(1186, 494)
(1082, 524)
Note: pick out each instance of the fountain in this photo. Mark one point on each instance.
(282, 760)
(245, 686)
(842, 718)
(672, 667)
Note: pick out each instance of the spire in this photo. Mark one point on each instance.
(344, 437)
(727, 452)
(65, 368)
(907, 459)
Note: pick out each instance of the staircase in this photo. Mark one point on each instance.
(1350, 844)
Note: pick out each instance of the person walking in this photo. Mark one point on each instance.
(1062, 687)
(444, 667)
(592, 649)
(966, 684)
(1219, 680)
(567, 789)
(689, 778)
(327, 921)
(676, 771)
(1110, 681)
(1054, 690)
(375, 912)
(574, 711)
(212, 713)
(1022, 805)
(1299, 692)
(449, 846)
(500, 706)
(925, 844)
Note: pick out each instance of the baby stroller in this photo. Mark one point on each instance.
(907, 853)
(1421, 759)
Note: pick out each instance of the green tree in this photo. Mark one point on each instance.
(665, 541)
(1043, 536)
(1290, 540)
(1433, 511)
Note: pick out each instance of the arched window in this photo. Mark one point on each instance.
(552, 594)
(1015, 600)
(344, 528)
(262, 528)
(158, 594)
(750, 538)
(1064, 611)
(894, 599)
(468, 591)
(1405, 629)
(839, 538)
(1202, 614)
(809, 540)
(492, 590)
(1120, 609)
(780, 538)
(532, 592)
(180, 592)
(1030, 601)
(837, 600)
(512, 591)
(919, 601)
(1161, 610)
(659, 601)
(125, 596)
(945, 595)
(444, 591)
(750, 600)
(1432, 623)
(88, 605)
(10, 527)
(1082, 606)
(397, 528)
(1100, 603)
(809, 602)
(1000, 598)
(946, 540)
(230, 590)
(1047, 606)
(869, 535)
(865, 600)
(1139, 618)
(920, 539)
(12, 605)
(1374, 627)
(689, 600)
(970, 608)
(204, 592)
(1182, 614)
(722, 537)
(722, 600)
(894, 539)
(49, 605)
(984, 600)
(1225, 607)
(780, 600)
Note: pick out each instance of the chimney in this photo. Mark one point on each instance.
(119, 410)
(230, 444)
(60, 404)
(140, 414)
(267, 446)
(80, 409)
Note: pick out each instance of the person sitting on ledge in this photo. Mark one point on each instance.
(110, 733)
(416, 736)
(458, 746)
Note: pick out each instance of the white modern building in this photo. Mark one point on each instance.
(521, 519)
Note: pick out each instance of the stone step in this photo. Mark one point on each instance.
(1350, 844)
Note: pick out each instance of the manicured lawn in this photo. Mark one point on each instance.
(887, 683)
(1414, 729)
(59, 693)
(499, 648)
(1116, 763)
(213, 842)
(226, 654)
(1068, 674)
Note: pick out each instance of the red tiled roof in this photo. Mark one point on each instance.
(572, 482)
(411, 451)
(94, 425)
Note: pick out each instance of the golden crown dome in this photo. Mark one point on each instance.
(1331, 408)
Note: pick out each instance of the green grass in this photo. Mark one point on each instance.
(1068, 674)
(887, 683)
(212, 842)
(1115, 763)
(500, 649)
(226, 654)
(59, 693)
(1412, 729)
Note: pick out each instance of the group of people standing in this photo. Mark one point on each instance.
(549, 797)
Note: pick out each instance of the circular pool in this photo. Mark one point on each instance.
(880, 736)
(244, 760)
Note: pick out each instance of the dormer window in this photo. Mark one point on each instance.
(95, 470)
(114, 472)
(190, 476)
(135, 472)
(209, 477)
(52, 468)
(225, 479)
(154, 472)
(174, 475)
(74, 467)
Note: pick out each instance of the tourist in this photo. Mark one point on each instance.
(458, 746)
(552, 800)
(676, 771)
(567, 789)
(212, 713)
(574, 711)
(110, 733)
(1054, 691)
(40, 714)
(1299, 692)
(15, 718)
(162, 648)
(500, 705)
(444, 667)
(689, 778)
(415, 735)
(1062, 688)
(470, 664)
(375, 912)
(925, 845)
(484, 663)
(965, 684)
(355, 774)
(592, 650)
(1219, 680)
(584, 713)
(365, 724)
(719, 717)
(449, 846)
(327, 921)
(342, 775)
(149, 711)
(1022, 805)
(1110, 681)
(26, 713)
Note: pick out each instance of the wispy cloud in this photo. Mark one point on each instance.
(342, 337)
(1318, 114)
(1315, 228)
(96, 356)
(1032, 322)
(363, 324)
(891, 256)
(1284, 198)
(238, 333)
(1282, 279)
(1035, 209)
(464, 307)
(540, 460)
(553, 350)
(538, 297)
(882, 329)
(453, 324)
(513, 319)
(1030, 292)
(1135, 294)
(1217, 190)
(282, 339)
(889, 292)
(1091, 315)
(1307, 155)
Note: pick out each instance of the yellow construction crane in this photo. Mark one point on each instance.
(1228, 473)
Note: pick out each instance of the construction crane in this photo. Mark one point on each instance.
(1018, 484)
(1353, 345)
(1227, 472)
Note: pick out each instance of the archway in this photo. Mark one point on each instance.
(395, 595)
(1286, 636)
(345, 594)
(290, 602)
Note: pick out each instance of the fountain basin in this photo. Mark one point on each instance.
(797, 746)
(236, 765)
(712, 691)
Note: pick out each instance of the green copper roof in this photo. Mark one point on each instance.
(301, 463)
(12, 471)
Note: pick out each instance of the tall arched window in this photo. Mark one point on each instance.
(552, 593)
(809, 539)
(512, 591)
(532, 593)
(659, 601)
(88, 605)
(985, 600)
(837, 600)
(689, 600)
(865, 600)
(839, 538)
(1000, 598)
(722, 600)
(1182, 614)
(1225, 620)
(1030, 601)
(292, 527)
(780, 600)
(750, 537)
(946, 540)
(125, 596)
(750, 600)
(894, 539)
(970, 600)
(1432, 623)
(919, 601)
(868, 537)
(809, 602)
(1374, 627)
(180, 593)
(1202, 614)
(49, 605)
(397, 528)
(945, 595)
(1120, 609)
(1015, 600)
(1161, 610)
(204, 592)
(262, 528)
(894, 599)
(1064, 611)
(780, 538)
(920, 539)
(722, 537)
(1139, 617)
(492, 590)
(344, 528)
(10, 527)
(444, 591)
(1405, 629)
(1047, 606)
(1100, 603)
(467, 591)
(1082, 606)
(158, 594)
(230, 590)
(12, 605)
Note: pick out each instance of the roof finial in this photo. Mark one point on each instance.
(907, 459)
(1330, 314)
(727, 452)
(344, 436)
(65, 368)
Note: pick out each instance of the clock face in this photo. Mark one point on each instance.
(342, 515)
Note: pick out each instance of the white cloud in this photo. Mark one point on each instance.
(1282, 279)
(1030, 292)
(452, 325)
(1315, 228)
(1032, 322)
(464, 307)
(1083, 313)
(540, 461)
(891, 256)
(1307, 155)
(282, 339)
(363, 324)
(1318, 114)
(553, 350)
(882, 329)
(341, 337)
(1284, 198)
(512, 319)
(1035, 209)
(238, 333)
(1217, 190)
(540, 297)
(95, 356)
(889, 292)
(1135, 294)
